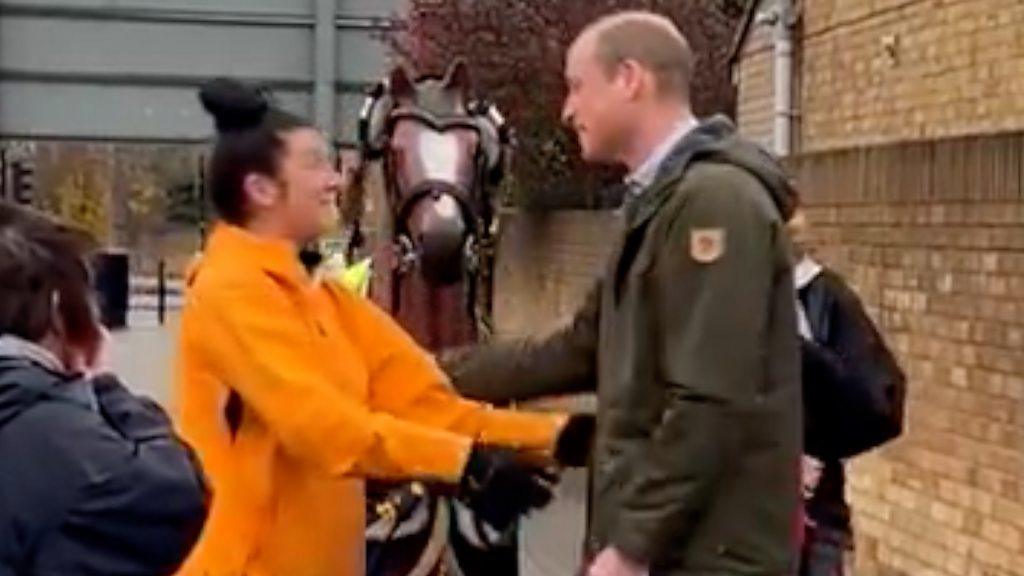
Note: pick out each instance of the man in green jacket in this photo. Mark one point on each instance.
(689, 337)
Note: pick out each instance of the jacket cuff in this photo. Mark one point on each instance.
(523, 431)
(439, 456)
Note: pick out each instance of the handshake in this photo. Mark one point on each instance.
(500, 485)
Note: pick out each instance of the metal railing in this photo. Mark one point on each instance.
(160, 294)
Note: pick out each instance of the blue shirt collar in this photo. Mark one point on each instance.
(644, 176)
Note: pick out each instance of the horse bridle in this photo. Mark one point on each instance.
(378, 118)
(380, 113)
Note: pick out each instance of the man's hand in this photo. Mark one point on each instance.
(611, 562)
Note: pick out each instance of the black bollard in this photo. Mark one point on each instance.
(111, 283)
(161, 292)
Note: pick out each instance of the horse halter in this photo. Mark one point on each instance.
(380, 113)
(460, 216)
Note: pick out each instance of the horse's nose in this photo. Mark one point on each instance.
(441, 233)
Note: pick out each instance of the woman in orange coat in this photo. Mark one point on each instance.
(292, 391)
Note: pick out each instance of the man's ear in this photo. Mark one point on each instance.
(631, 76)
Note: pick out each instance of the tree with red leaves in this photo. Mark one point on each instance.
(515, 51)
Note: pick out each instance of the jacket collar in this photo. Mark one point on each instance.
(29, 374)
(645, 175)
(233, 246)
(700, 141)
(805, 272)
(13, 347)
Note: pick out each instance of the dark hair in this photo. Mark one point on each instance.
(249, 129)
(44, 267)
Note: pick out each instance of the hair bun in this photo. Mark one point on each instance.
(233, 104)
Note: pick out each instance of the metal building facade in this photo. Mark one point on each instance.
(127, 70)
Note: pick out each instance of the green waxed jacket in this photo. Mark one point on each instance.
(689, 339)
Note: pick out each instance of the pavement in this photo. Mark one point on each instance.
(143, 354)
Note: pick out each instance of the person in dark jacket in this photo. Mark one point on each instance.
(94, 480)
(853, 400)
(689, 338)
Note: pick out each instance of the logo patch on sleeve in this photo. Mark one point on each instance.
(707, 245)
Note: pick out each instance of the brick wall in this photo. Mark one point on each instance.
(546, 263)
(932, 237)
(876, 71)
(754, 107)
(755, 80)
(896, 69)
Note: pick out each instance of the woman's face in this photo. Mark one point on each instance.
(311, 185)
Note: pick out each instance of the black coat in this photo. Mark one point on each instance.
(853, 390)
(94, 480)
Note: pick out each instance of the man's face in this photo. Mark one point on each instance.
(309, 185)
(598, 104)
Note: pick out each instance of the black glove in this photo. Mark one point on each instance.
(499, 487)
(576, 440)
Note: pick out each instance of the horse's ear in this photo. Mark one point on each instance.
(456, 79)
(400, 83)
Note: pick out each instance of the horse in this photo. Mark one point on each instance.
(441, 155)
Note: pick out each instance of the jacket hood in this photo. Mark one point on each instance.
(28, 375)
(15, 396)
(716, 140)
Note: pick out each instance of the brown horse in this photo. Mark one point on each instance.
(441, 154)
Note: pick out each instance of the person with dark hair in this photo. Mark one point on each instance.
(294, 390)
(94, 480)
(854, 393)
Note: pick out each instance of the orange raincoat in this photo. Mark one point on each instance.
(292, 391)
